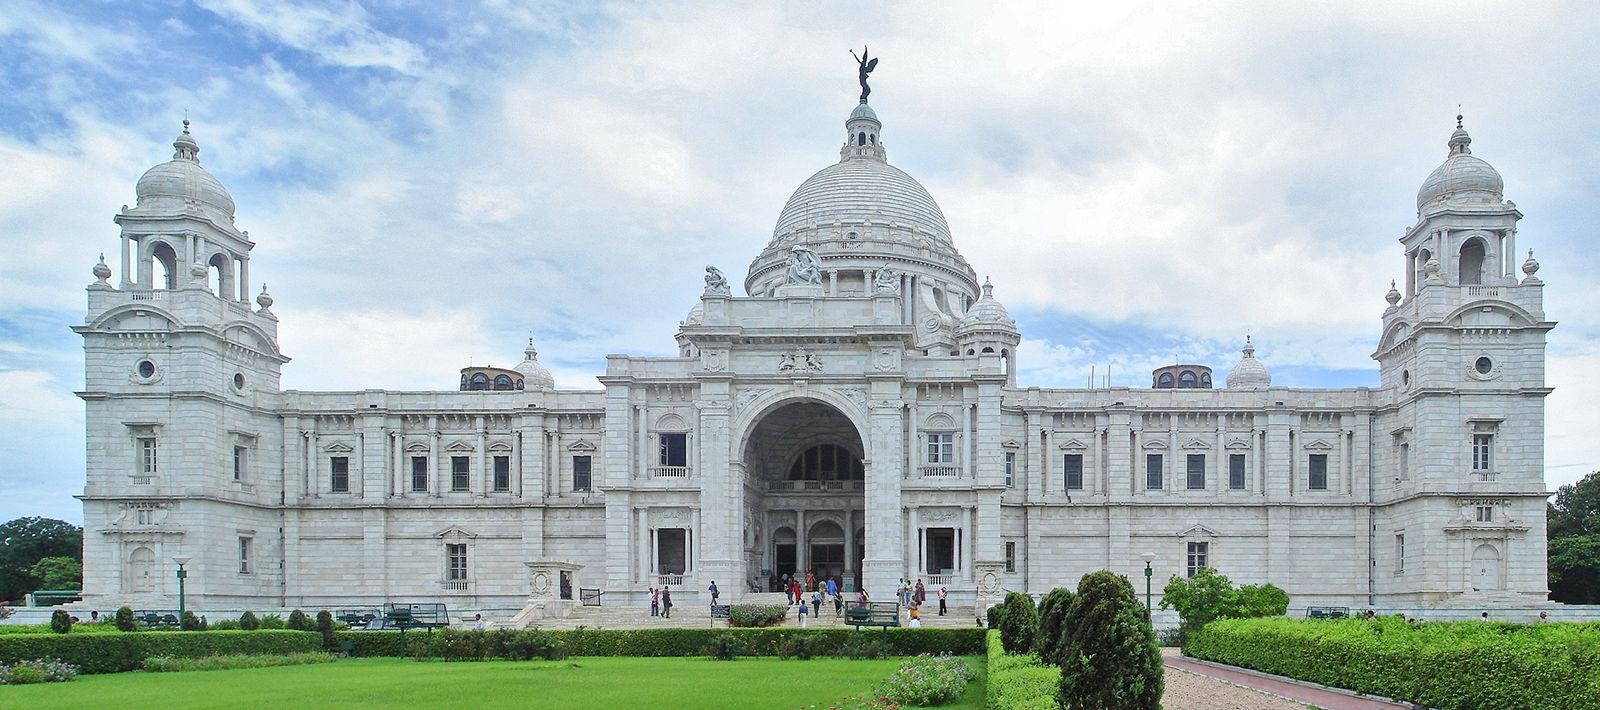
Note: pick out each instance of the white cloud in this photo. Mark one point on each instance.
(338, 33)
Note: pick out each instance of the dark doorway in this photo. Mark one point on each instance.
(941, 550)
(671, 550)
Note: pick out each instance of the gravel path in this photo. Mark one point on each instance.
(1188, 691)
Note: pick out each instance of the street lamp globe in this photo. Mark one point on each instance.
(1148, 557)
(181, 559)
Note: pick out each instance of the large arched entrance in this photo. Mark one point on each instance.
(804, 496)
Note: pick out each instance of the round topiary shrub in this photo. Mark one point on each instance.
(863, 646)
(60, 621)
(1019, 624)
(800, 648)
(724, 647)
(190, 622)
(299, 621)
(249, 622)
(1106, 622)
(325, 627)
(125, 621)
(1052, 616)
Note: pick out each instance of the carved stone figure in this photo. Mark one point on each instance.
(865, 66)
(803, 267)
(801, 360)
(716, 283)
(887, 280)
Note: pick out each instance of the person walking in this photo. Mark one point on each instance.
(833, 587)
(795, 584)
(943, 592)
(816, 603)
(666, 603)
(802, 613)
(655, 602)
(787, 594)
(920, 596)
(714, 592)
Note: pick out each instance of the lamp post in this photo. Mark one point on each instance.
(182, 575)
(1148, 557)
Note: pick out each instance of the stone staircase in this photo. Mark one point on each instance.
(698, 615)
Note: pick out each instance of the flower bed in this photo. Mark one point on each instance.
(1441, 665)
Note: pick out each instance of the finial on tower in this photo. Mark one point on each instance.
(1460, 142)
(865, 64)
(185, 147)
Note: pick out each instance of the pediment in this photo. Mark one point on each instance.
(455, 532)
(417, 448)
(580, 445)
(1198, 531)
(1073, 445)
(1155, 445)
(458, 446)
(500, 447)
(338, 447)
(1196, 444)
(1011, 444)
(1318, 445)
(1237, 444)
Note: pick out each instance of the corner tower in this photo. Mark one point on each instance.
(181, 390)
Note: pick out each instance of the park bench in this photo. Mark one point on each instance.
(1327, 612)
(883, 614)
(156, 619)
(356, 618)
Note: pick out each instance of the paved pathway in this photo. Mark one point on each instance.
(1303, 693)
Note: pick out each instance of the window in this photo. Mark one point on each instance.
(147, 456)
(479, 381)
(1236, 472)
(460, 478)
(1483, 365)
(1196, 464)
(502, 382)
(339, 468)
(1011, 557)
(143, 516)
(1011, 469)
(1165, 380)
(1186, 380)
(1198, 554)
(419, 474)
(1152, 471)
(941, 448)
(238, 463)
(1400, 552)
(1481, 445)
(1484, 514)
(580, 473)
(244, 556)
(1405, 461)
(826, 462)
(674, 450)
(1072, 471)
(502, 473)
(1318, 469)
(147, 369)
(456, 566)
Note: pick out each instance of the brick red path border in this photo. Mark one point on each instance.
(1320, 696)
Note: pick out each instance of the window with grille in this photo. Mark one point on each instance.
(674, 450)
(245, 565)
(1196, 469)
(339, 474)
(1318, 470)
(147, 455)
(460, 473)
(1481, 446)
(1072, 471)
(1197, 557)
(1152, 471)
(1011, 469)
(941, 448)
(456, 569)
(1485, 514)
(419, 474)
(1236, 472)
(238, 463)
(502, 473)
(580, 473)
(1011, 556)
(1400, 552)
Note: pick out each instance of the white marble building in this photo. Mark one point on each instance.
(857, 414)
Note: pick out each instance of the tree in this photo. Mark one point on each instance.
(299, 621)
(1573, 524)
(58, 573)
(325, 627)
(1208, 596)
(1019, 623)
(60, 621)
(1052, 617)
(124, 619)
(25, 541)
(1108, 652)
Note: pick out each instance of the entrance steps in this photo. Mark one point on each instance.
(697, 615)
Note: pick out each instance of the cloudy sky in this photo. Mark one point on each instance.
(428, 184)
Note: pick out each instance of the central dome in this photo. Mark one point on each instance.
(855, 190)
(180, 182)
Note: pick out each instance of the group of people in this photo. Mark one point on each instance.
(809, 594)
(661, 602)
(913, 596)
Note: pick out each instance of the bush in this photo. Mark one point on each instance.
(861, 647)
(249, 622)
(1019, 682)
(756, 615)
(926, 680)
(800, 648)
(272, 622)
(124, 619)
(298, 621)
(1052, 612)
(1019, 623)
(530, 644)
(60, 621)
(325, 627)
(190, 622)
(115, 653)
(226, 625)
(693, 642)
(1441, 665)
(1208, 596)
(169, 664)
(724, 647)
(1108, 652)
(48, 670)
(991, 616)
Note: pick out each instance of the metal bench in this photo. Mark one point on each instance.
(1327, 612)
(883, 614)
(156, 619)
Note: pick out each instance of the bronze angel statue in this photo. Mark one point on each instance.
(866, 65)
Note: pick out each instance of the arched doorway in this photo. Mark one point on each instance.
(1485, 568)
(804, 491)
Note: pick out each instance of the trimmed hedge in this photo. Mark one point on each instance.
(676, 642)
(1020, 682)
(118, 652)
(1441, 665)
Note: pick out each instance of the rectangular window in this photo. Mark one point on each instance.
(1236, 472)
(1196, 464)
(238, 463)
(147, 456)
(941, 448)
(456, 569)
(580, 473)
(339, 474)
(674, 450)
(1011, 557)
(460, 477)
(1072, 471)
(1481, 445)
(1485, 514)
(1198, 554)
(1400, 552)
(419, 474)
(244, 555)
(1011, 469)
(1405, 461)
(1152, 471)
(502, 473)
(1318, 469)
(142, 516)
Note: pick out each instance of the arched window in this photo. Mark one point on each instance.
(861, 139)
(1471, 262)
(479, 381)
(1165, 380)
(826, 462)
(502, 382)
(1205, 380)
(164, 266)
(221, 275)
(1186, 379)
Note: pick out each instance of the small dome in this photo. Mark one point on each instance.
(534, 375)
(863, 111)
(1462, 178)
(986, 314)
(177, 182)
(697, 315)
(1249, 374)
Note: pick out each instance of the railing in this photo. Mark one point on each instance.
(1485, 476)
(589, 597)
(146, 294)
(668, 580)
(669, 471)
(1483, 290)
(454, 585)
(813, 485)
(941, 471)
(939, 580)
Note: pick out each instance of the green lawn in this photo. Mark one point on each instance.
(612, 682)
